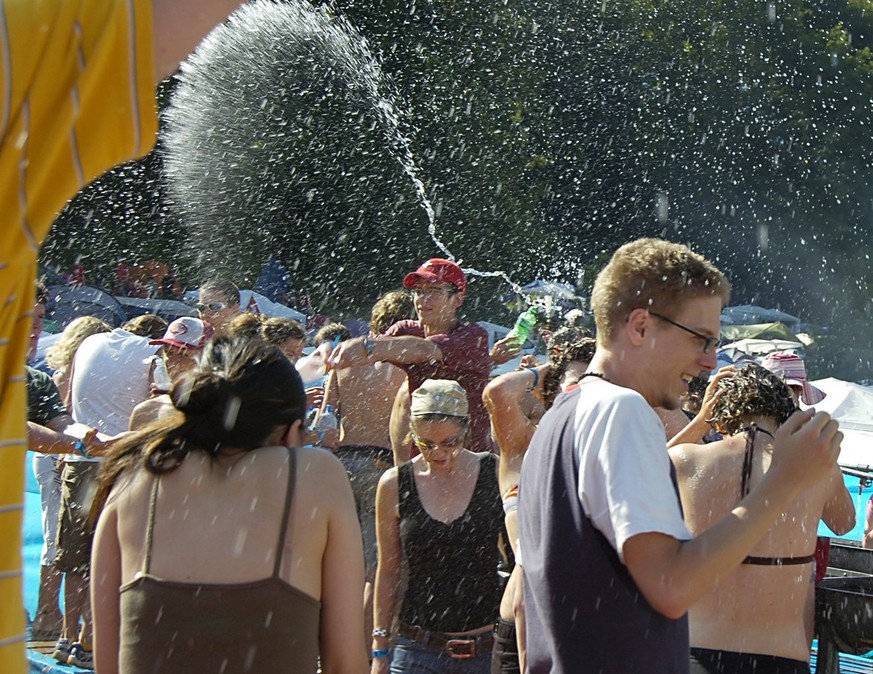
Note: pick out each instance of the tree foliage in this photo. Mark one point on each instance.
(548, 132)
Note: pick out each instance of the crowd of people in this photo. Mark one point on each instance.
(257, 509)
(227, 540)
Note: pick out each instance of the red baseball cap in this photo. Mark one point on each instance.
(440, 271)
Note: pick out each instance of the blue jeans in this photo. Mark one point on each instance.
(410, 657)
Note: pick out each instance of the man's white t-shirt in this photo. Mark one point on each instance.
(624, 468)
(110, 378)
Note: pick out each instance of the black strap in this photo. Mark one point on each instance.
(749, 454)
(286, 515)
(751, 432)
(779, 561)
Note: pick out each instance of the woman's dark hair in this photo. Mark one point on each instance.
(560, 359)
(752, 391)
(237, 396)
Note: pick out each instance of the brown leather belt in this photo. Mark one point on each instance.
(460, 648)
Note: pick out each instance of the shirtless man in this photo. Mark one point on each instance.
(182, 344)
(363, 397)
(753, 620)
(439, 345)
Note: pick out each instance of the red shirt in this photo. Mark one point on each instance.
(465, 360)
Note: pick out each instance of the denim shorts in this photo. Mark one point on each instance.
(410, 657)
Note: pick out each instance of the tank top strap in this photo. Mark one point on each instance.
(407, 495)
(153, 504)
(286, 515)
(486, 485)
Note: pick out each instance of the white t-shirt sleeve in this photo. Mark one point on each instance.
(624, 469)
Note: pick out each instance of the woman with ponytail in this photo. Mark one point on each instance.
(221, 545)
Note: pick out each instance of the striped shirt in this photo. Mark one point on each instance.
(76, 98)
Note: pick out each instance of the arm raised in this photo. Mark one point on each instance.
(673, 574)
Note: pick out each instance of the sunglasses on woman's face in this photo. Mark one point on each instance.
(449, 445)
(212, 306)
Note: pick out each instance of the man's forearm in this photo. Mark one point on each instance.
(46, 441)
(405, 350)
(673, 575)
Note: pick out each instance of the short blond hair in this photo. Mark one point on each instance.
(651, 274)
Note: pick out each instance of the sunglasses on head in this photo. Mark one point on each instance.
(212, 306)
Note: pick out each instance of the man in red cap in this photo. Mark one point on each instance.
(436, 346)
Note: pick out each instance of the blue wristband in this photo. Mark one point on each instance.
(381, 653)
(536, 375)
(80, 447)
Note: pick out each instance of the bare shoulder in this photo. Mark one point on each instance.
(133, 485)
(319, 462)
(687, 457)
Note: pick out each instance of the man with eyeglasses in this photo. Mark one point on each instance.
(436, 346)
(219, 304)
(610, 568)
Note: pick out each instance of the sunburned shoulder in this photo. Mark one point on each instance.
(689, 457)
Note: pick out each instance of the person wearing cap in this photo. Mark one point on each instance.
(182, 344)
(436, 346)
(442, 513)
(792, 370)
(183, 341)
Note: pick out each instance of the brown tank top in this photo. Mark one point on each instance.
(172, 627)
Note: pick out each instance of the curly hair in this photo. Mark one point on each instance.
(393, 306)
(560, 359)
(651, 274)
(241, 391)
(278, 329)
(752, 391)
(565, 335)
(331, 331)
(60, 354)
(246, 325)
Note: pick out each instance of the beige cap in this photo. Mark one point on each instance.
(439, 396)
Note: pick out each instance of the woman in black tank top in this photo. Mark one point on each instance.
(442, 512)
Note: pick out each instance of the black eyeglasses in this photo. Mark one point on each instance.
(709, 343)
(212, 306)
